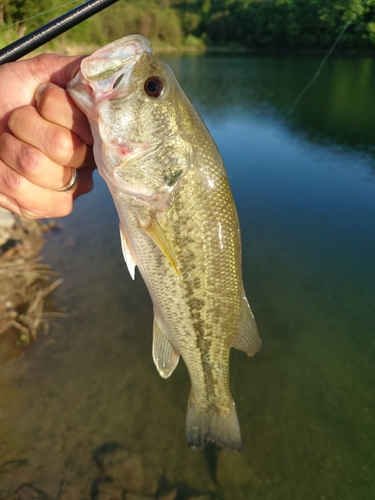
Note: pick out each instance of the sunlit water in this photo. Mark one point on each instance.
(305, 193)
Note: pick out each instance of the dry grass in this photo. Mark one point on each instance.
(24, 280)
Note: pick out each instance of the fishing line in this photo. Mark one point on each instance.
(37, 15)
(313, 79)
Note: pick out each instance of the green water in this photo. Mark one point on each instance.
(304, 186)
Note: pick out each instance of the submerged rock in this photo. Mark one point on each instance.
(200, 497)
(128, 471)
(29, 492)
(136, 496)
(69, 492)
(168, 496)
(106, 490)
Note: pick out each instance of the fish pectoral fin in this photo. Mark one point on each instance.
(248, 339)
(158, 236)
(128, 256)
(164, 354)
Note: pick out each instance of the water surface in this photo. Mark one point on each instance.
(304, 187)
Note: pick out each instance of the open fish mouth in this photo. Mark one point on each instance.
(113, 56)
(102, 72)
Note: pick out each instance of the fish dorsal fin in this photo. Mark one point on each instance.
(156, 233)
(164, 353)
(248, 339)
(128, 256)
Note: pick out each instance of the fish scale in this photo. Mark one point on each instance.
(178, 224)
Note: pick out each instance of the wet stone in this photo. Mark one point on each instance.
(29, 492)
(168, 496)
(106, 490)
(200, 497)
(128, 472)
(136, 496)
(108, 454)
(69, 492)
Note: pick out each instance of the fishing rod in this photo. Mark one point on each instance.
(51, 30)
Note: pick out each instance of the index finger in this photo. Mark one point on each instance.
(55, 105)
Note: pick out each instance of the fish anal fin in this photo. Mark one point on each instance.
(203, 426)
(158, 236)
(248, 339)
(128, 256)
(164, 354)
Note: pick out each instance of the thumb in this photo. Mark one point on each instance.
(54, 68)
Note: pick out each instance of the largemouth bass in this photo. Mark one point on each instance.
(178, 223)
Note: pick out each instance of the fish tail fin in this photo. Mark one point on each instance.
(203, 426)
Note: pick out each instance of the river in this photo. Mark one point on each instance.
(304, 186)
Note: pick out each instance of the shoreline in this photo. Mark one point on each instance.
(200, 48)
(24, 280)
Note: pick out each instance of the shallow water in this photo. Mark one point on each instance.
(305, 192)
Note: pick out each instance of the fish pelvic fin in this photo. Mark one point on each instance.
(128, 256)
(158, 236)
(164, 354)
(248, 339)
(203, 426)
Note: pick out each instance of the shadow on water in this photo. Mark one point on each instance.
(337, 110)
(84, 413)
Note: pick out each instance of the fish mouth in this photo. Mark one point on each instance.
(99, 72)
(105, 62)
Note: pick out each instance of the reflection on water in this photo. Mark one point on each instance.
(337, 109)
(305, 194)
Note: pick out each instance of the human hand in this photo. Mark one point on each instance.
(42, 135)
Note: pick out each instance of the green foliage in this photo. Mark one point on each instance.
(16, 11)
(282, 24)
(292, 23)
(125, 18)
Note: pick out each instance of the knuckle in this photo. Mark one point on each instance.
(47, 103)
(15, 118)
(41, 61)
(30, 160)
(39, 64)
(60, 142)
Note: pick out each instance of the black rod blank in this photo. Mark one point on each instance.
(51, 30)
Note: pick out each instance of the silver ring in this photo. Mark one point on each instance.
(71, 183)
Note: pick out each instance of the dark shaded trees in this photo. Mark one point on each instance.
(257, 24)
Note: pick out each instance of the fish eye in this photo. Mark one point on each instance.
(154, 86)
(118, 80)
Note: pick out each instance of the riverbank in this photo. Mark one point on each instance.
(199, 47)
(25, 281)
